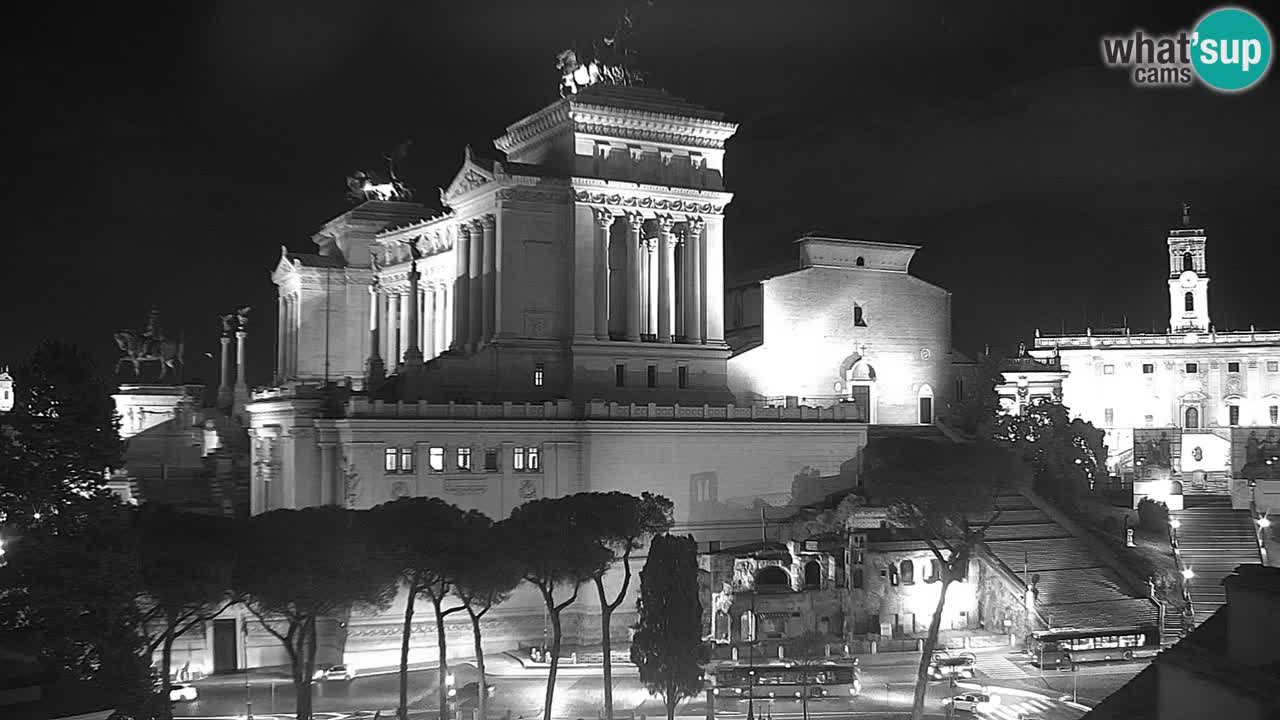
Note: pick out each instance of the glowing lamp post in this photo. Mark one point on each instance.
(1187, 574)
(1263, 523)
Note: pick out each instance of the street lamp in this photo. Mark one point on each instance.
(1188, 573)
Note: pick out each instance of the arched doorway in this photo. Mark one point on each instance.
(1192, 418)
(813, 574)
(924, 399)
(861, 381)
(772, 578)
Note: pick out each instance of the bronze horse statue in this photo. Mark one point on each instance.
(139, 348)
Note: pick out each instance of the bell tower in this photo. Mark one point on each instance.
(1188, 278)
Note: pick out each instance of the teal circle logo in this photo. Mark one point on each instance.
(1231, 49)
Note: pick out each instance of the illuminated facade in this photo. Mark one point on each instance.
(1185, 411)
(851, 326)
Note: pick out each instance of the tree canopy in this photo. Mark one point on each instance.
(668, 647)
(1067, 456)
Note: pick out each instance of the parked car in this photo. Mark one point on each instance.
(974, 702)
(183, 692)
(468, 694)
(335, 672)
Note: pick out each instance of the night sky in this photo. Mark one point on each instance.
(161, 154)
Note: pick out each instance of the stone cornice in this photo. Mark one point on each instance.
(657, 198)
(523, 132)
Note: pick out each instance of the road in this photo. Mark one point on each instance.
(887, 690)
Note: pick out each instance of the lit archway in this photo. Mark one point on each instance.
(772, 577)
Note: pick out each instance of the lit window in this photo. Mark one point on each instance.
(490, 460)
(537, 375)
(1275, 414)
(1233, 367)
(1148, 368)
(1110, 415)
(1108, 369)
(620, 375)
(533, 459)
(464, 458)
(391, 460)
(1273, 366)
(682, 377)
(435, 458)
(1149, 420)
(1192, 368)
(517, 459)
(1233, 415)
(908, 573)
(406, 459)
(651, 375)
(1189, 302)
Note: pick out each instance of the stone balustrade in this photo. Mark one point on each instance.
(595, 410)
(1147, 340)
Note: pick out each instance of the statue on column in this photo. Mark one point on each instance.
(228, 324)
(242, 317)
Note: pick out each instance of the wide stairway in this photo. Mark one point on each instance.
(1214, 540)
(1075, 588)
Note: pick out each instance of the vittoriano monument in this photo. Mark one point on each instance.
(365, 185)
(609, 61)
(150, 345)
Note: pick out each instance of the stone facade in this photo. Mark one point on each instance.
(852, 326)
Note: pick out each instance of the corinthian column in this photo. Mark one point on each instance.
(461, 287)
(693, 302)
(429, 322)
(394, 334)
(634, 224)
(651, 281)
(413, 353)
(376, 370)
(666, 283)
(475, 303)
(489, 272)
(604, 221)
(282, 320)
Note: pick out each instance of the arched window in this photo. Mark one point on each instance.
(1189, 301)
(859, 320)
(1188, 261)
(772, 577)
(1193, 418)
(908, 573)
(934, 571)
(813, 574)
(857, 578)
(860, 262)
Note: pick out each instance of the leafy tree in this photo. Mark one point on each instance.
(185, 562)
(70, 587)
(422, 540)
(668, 645)
(976, 414)
(486, 576)
(1066, 456)
(947, 494)
(555, 546)
(622, 523)
(317, 564)
(60, 438)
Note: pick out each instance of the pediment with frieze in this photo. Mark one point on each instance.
(471, 176)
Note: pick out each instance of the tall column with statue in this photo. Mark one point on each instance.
(224, 382)
(241, 394)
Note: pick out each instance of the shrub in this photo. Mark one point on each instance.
(1153, 515)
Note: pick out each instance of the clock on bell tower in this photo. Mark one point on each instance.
(1188, 279)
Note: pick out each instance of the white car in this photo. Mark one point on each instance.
(336, 672)
(974, 702)
(183, 692)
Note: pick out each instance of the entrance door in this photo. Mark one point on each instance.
(225, 657)
(1193, 418)
(860, 395)
(926, 411)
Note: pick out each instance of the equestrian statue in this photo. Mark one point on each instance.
(150, 345)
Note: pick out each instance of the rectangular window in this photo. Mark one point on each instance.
(391, 460)
(682, 377)
(1110, 415)
(533, 458)
(490, 460)
(435, 459)
(517, 459)
(1273, 366)
(1233, 415)
(1233, 367)
(1108, 369)
(406, 459)
(1148, 368)
(1192, 368)
(1149, 420)
(464, 458)
(651, 376)
(959, 390)
(1275, 414)
(538, 376)
(620, 375)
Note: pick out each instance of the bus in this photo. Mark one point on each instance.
(737, 684)
(1065, 648)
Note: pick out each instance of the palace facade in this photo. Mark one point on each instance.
(560, 327)
(1191, 411)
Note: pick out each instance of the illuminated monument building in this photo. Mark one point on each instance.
(560, 327)
(1194, 411)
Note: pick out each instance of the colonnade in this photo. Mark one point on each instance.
(664, 274)
(389, 315)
